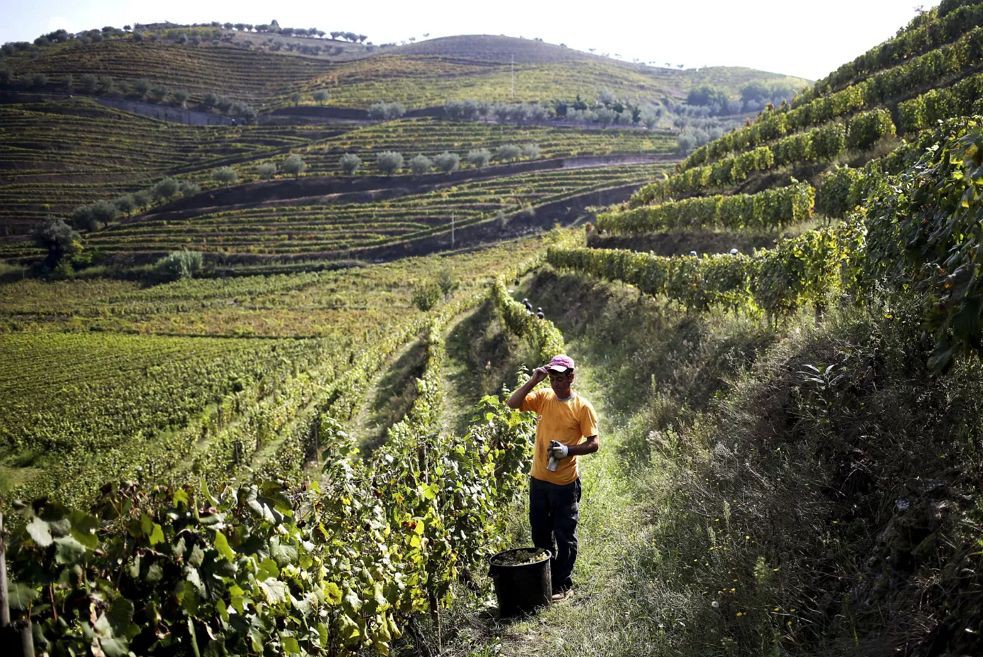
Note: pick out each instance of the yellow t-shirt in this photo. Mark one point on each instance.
(567, 421)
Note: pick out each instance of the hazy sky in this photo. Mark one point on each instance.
(808, 39)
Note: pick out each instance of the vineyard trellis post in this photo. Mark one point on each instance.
(16, 640)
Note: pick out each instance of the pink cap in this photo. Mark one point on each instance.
(560, 363)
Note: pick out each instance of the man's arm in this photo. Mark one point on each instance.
(589, 446)
(516, 398)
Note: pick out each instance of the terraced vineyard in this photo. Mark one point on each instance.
(56, 155)
(332, 230)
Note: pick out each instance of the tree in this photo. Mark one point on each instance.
(350, 163)
(321, 96)
(294, 165)
(508, 152)
(226, 175)
(707, 95)
(447, 162)
(386, 111)
(421, 164)
(39, 80)
(165, 189)
(125, 204)
(530, 151)
(60, 241)
(389, 162)
(266, 170)
(478, 157)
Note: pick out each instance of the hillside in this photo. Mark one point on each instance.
(108, 128)
(252, 371)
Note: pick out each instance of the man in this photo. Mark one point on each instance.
(569, 422)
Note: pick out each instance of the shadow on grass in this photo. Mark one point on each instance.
(394, 395)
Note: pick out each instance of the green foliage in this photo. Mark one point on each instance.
(335, 569)
(426, 296)
(867, 128)
(833, 197)
(925, 233)
(706, 95)
(447, 282)
(798, 271)
(773, 208)
(180, 264)
(924, 111)
(545, 338)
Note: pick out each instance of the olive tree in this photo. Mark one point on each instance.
(447, 162)
(59, 240)
(266, 170)
(421, 164)
(294, 165)
(508, 152)
(226, 175)
(479, 157)
(350, 163)
(389, 162)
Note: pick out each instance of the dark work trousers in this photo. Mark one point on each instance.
(553, 514)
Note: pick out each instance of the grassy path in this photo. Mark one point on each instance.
(609, 527)
(586, 623)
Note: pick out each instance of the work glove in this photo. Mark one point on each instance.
(558, 450)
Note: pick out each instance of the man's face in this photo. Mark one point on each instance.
(560, 382)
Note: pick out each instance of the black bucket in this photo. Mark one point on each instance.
(521, 588)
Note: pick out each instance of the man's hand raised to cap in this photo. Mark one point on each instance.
(515, 399)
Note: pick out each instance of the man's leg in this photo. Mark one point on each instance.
(540, 515)
(566, 512)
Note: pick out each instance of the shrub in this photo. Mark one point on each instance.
(867, 128)
(180, 264)
(828, 141)
(530, 151)
(266, 170)
(427, 296)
